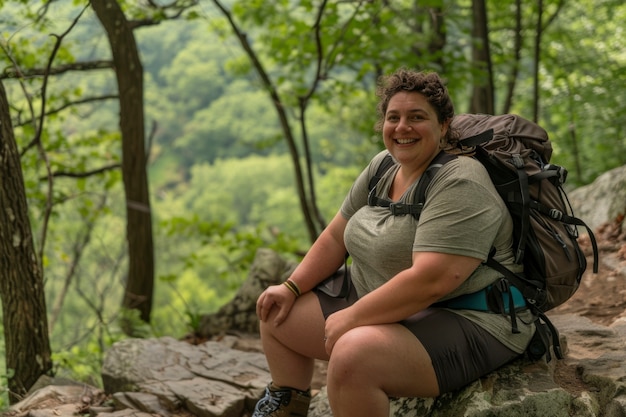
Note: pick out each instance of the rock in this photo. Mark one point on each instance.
(208, 380)
(55, 397)
(239, 314)
(603, 200)
(168, 377)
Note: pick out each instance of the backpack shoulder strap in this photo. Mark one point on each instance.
(420, 192)
(415, 209)
(385, 164)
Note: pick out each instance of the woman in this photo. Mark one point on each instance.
(387, 339)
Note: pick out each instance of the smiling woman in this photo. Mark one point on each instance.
(384, 338)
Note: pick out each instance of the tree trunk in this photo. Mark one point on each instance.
(129, 72)
(438, 40)
(517, 55)
(309, 208)
(21, 281)
(537, 51)
(482, 100)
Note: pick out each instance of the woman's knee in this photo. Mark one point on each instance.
(356, 354)
(302, 330)
(387, 357)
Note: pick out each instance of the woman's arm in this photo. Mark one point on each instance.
(325, 256)
(432, 276)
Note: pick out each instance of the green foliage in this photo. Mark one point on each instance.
(210, 133)
(583, 101)
(80, 363)
(341, 43)
(129, 320)
(209, 229)
(83, 362)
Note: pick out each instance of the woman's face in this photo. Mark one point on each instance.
(411, 130)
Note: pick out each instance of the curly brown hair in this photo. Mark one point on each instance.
(429, 84)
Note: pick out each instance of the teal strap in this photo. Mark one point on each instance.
(479, 301)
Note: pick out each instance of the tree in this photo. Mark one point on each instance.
(482, 98)
(541, 28)
(25, 321)
(129, 73)
(515, 62)
(313, 220)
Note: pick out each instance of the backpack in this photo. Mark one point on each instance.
(516, 153)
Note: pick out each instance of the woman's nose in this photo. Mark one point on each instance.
(403, 124)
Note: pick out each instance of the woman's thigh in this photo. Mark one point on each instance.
(431, 353)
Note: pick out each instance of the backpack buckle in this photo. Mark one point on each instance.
(517, 161)
(556, 214)
(398, 209)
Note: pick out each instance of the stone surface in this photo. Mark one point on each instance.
(168, 377)
(208, 380)
(603, 200)
(240, 313)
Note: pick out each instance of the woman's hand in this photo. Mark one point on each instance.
(276, 296)
(337, 324)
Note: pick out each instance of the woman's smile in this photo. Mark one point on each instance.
(406, 141)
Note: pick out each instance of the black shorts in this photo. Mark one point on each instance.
(460, 355)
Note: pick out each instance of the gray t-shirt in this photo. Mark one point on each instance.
(463, 215)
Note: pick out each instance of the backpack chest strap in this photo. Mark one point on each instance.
(396, 208)
(399, 208)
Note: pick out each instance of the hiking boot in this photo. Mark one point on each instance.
(283, 402)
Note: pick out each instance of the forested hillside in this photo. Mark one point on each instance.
(257, 117)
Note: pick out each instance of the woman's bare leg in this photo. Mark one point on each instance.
(371, 363)
(291, 347)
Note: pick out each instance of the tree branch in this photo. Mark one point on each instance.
(15, 72)
(85, 174)
(42, 151)
(68, 105)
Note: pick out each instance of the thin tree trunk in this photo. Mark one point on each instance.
(572, 131)
(438, 40)
(482, 100)
(538, 33)
(129, 71)
(517, 53)
(78, 250)
(308, 208)
(21, 278)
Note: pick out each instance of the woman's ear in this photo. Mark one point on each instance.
(444, 128)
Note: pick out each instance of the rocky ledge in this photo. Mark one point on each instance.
(223, 378)
(224, 375)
